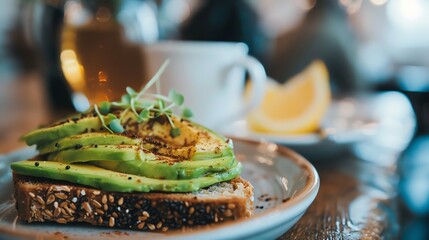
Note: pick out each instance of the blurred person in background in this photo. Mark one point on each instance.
(324, 33)
(230, 21)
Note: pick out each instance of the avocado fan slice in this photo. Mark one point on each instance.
(162, 170)
(68, 128)
(102, 152)
(198, 151)
(133, 160)
(107, 180)
(97, 138)
(87, 139)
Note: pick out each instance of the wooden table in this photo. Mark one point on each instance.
(355, 201)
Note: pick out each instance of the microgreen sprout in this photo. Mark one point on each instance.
(187, 113)
(115, 125)
(174, 132)
(105, 108)
(101, 118)
(145, 105)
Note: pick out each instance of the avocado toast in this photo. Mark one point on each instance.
(131, 164)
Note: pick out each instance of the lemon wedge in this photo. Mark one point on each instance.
(295, 107)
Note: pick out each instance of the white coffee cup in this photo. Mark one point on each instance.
(211, 77)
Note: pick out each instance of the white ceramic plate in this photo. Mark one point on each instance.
(348, 121)
(285, 184)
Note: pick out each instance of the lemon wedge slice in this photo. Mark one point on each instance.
(295, 107)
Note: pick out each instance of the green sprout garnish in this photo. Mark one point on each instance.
(105, 108)
(115, 125)
(101, 118)
(174, 132)
(187, 113)
(144, 106)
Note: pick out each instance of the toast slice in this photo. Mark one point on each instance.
(44, 200)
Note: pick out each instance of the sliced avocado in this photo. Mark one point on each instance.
(133, 160)
(69, 128)
(164, 169)
(195, 142)
(97, 138)
(102, 152)
(87, 139)
(73, 125)
(107, 180)
(210, 144)
(151, 152)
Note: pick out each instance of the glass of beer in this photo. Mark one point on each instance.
(99, 47)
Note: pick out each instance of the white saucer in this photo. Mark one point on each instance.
(348, 121)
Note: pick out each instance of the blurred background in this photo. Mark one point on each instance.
(55, 53)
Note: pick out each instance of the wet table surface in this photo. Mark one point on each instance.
(351, 204)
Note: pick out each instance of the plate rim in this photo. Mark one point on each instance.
(308, 192)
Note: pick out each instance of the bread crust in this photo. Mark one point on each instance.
(43, 200)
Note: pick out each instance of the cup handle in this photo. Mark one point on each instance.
(258, 78)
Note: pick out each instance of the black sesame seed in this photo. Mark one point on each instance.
(129, 178)
(36, 164)
(95, 145)
(57, 145)
(67, 167)
(78, 146)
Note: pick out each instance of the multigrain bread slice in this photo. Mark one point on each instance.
(42, 200)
